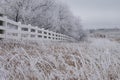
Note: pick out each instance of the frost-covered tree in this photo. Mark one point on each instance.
(48, 14)
(21, 10)
(67, 23)
(64, 19)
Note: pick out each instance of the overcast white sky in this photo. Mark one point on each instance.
(96, 13)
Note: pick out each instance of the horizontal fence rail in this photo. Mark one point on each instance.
(15, 30)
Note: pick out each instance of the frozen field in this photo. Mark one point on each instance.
(97, 59)
(112, 34)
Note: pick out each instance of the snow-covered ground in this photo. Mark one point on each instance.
(97, 59)
(112, 34)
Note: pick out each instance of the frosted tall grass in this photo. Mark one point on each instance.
(95, 60)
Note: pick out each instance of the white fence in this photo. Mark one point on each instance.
(15, 30)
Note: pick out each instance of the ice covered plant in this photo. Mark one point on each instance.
(97, 60)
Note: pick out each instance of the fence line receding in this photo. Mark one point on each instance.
(15, 30)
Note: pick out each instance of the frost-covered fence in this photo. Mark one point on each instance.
(15, 30)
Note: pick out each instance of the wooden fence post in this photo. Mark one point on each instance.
(19, 30)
